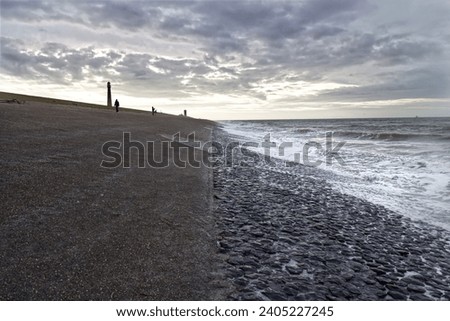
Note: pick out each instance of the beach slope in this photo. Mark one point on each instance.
(72, 230)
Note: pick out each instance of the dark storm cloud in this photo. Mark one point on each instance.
(221, 22)
(238, 44)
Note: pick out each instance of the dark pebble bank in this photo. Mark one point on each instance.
(285, 234)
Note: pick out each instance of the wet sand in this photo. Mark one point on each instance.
(71, 230)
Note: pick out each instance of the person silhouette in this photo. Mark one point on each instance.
(116, 103)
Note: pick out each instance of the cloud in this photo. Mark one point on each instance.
(53, 63)
(130, 15)
(419, 83)
(372, 49)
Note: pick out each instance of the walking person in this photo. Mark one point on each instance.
(116, 103)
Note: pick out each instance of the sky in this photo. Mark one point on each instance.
(234, 59)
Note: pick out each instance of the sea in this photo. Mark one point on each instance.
(400, 163)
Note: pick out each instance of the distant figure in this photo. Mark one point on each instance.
(153, 111)
(117, 105)
(185, 113)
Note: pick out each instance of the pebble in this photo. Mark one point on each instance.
(294, 270)
(383, 280)
(274, 296)
(419, 297)
(415, 288)
(397, 295)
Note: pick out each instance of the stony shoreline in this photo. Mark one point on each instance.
(285, 234)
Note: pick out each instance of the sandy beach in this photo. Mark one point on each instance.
(72, 230)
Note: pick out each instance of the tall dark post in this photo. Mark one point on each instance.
(109, 103)
(185, 113)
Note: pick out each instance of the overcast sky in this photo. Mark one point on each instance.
(234, 59)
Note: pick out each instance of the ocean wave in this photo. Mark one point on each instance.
(304, 130)
(390, 136)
